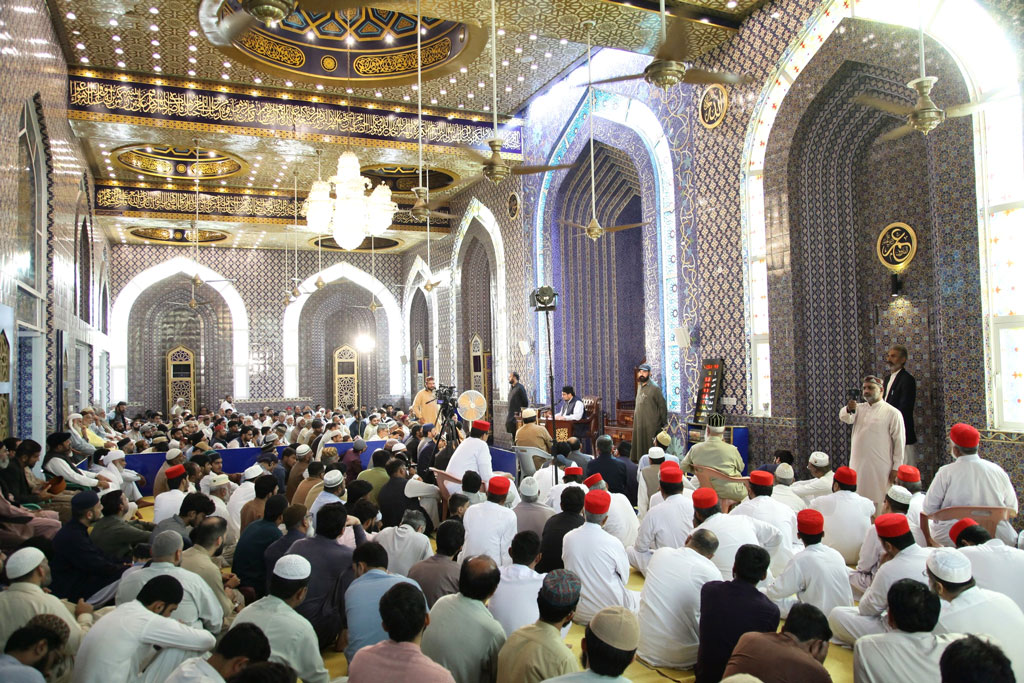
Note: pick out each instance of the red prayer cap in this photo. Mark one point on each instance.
(762, 478)
(964, 435)
(845, 475)
(671, 475)
(959, 527)
(810, 522)
(498, 486)
(908, 473)
(892, 525)
(592, 480)
(573, 469)
(597, 502)
(668, 465)
(175, 471)
(704, 498)
(481, 425)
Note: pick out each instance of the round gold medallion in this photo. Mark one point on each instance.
(896, 247)
(712, 106)
(328, 63)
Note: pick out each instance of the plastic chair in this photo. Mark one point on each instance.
(988, 517)
(527, 457)
(442, 478)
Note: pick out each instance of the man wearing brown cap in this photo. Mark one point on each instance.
(609, 646)
(537, 652)
(877, 442)
(532, 434)
(651, 413)
(969, 480)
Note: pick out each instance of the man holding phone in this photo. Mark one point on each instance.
(878, 440)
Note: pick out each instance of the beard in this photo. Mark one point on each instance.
(4, 462)
(643, 379)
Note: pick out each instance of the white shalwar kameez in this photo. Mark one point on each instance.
(876, 447)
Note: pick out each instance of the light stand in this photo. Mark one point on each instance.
(546, 299)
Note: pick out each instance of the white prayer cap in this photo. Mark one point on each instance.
(252, 471)
(303, 449)
(899, 494)
(172, 453)
(784, 471)
(73, 417)
(112, 456)
(174, 443)
(950, 565)
(22, 562)
(332, 479)
(218, 480)
(656, 453)
(528, 413)
(529, 487)
(293, 567)
(818, 459)
(398, 448)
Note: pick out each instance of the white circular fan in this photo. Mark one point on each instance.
(472, 405)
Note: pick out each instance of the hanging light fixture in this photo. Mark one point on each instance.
(318, 202)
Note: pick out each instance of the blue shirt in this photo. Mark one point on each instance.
(13, 671)
(362, 608)
(248, 561)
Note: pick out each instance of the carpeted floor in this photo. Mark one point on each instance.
(839, 662)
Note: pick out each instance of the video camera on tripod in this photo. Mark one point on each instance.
(447, 404)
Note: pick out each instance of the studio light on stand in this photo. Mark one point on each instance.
(545, 299)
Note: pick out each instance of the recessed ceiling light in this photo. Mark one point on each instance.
(193, 33)
(84, 60)
(140, 177)
(80, 46)
(501, 31)
(508, 88)
(118, 51)
(731, 4)
(504, 62)
(120, 65)
(191, 60)
(547, 55)
(520, 78)
(156, 55)
(154, 27)
(389, 39)
(463, 69)
(433, 100)
(113, 22)
(157, 68)
(443, 91)
(191, 72)
(533, 36)
(155, 42)
(319, 86)
(257, 81)
(227, 65)
(461, 105)
(288, 83)
(192, 48)
(225, 76)
(480, 84)
(71, 16)
(470, 95)
(487, 107)
(116, 38)
(378, 94)
(563, 41)
(533, 67)
(310, 35)
(519, 50)
(405, 97)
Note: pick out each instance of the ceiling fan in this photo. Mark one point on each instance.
(196, 280)
(925, 116)
(668, 67)
(593, 229)
(493, 167)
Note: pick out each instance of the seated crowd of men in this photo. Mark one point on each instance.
(252, 576)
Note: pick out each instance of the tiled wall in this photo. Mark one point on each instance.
(260, 276)
(32, 69)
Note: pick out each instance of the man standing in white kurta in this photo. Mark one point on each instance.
(877, 443)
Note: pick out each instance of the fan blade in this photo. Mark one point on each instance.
(472, 180)
(883, 105)
(701, 76)
(335, 5)
(628, 226)
(436, 204)
(896, 133)
(235, 25)
(677, 42)
(443, 215)
(529, 170)
(617, 79)
(575, 225)
(475, 155)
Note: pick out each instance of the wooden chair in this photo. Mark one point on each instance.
(987, 517)
(705, 475)
(442, 478)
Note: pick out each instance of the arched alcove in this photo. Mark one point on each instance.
(336, 316)
(420, 337)
(476, 317)
(601, 282)
(160, 320)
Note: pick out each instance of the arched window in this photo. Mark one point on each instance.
(988, 64)
(84, 271)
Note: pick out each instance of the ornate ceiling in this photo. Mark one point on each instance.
(162, 43)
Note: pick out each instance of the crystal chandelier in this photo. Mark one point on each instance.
(352, 214)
